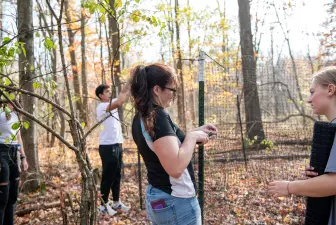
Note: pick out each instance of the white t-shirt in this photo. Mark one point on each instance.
(110, 132)
(6, 131)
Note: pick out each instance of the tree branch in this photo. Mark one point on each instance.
(37, 96)
(23, 112)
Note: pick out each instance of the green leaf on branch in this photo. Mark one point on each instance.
(6, 40)
(117, 4)
(26, 125)
(11, 96)
(36, 85)
(16, 125)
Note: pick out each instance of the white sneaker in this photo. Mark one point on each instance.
(107, 209)
(120, 207)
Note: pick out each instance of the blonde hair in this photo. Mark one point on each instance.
(325, 76)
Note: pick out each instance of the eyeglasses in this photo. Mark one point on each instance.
(171, 89)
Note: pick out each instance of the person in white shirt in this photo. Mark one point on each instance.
(12, 160)
(110, 147)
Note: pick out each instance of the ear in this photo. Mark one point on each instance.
(156, 90)
(331, 89)
(100, 96)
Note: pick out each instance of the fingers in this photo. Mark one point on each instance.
(309, 168)
(309, 172)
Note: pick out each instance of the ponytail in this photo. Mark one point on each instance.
(144, 78)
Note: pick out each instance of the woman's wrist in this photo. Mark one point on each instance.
(289, 193)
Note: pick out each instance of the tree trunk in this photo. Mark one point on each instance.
(26, 75)
(88, 204)
(74, 66)
(222, 15)
(285, 33)
(191, 92)
(171, 32)
(114, 35)
(1, 18)
(84, 76)
(180, 94)
(53, 57)
(254, 125)
(56, 96)
(103, 76)
(275, 86)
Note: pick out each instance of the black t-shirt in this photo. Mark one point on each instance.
(182, 187)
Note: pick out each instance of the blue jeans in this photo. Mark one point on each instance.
(178, 211)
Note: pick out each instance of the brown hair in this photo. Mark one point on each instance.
(325, 76)
(144, 78)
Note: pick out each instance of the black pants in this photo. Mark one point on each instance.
(111, 156)
(9, 173)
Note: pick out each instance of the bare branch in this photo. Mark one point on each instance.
(37, 96)
(288, 92)
(23, 112)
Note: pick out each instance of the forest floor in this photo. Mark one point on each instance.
(233, 194)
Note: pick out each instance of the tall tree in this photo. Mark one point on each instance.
(254, 125)
(1, 18)
(180, 94)
(114, 56)
(190, 45)
(53, 57)
(74, 65)
(84, 75)
(26, 77)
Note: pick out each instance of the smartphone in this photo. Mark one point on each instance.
(158, 204)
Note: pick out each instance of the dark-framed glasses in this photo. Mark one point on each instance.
(171, 89)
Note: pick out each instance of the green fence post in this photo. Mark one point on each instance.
(201, 148)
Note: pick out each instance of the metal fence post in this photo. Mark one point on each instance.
(201, 148)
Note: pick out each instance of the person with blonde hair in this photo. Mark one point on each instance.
(323, 102)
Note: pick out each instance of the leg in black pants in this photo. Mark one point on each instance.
(116, 184)
(9, 182)
(111, 156)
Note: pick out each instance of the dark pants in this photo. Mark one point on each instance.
(111, 156)
(9, 174)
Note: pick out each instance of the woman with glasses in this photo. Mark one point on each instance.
(165, 149)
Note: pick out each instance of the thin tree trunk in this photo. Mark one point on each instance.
(26, 75)
(309, 56)
(88, 206)
(191, 92)
(103, 73)
(53, 57)
(171, 32)
(76, 82)
(180, 94)
(275, 87)
(254, 125)
(224, 37)
(296, 76)
(84, 75)
(114, 34)
(1, 18)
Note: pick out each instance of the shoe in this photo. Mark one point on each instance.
(106, 209)
(120, 207)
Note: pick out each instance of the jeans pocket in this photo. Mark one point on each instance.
(165, 216)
